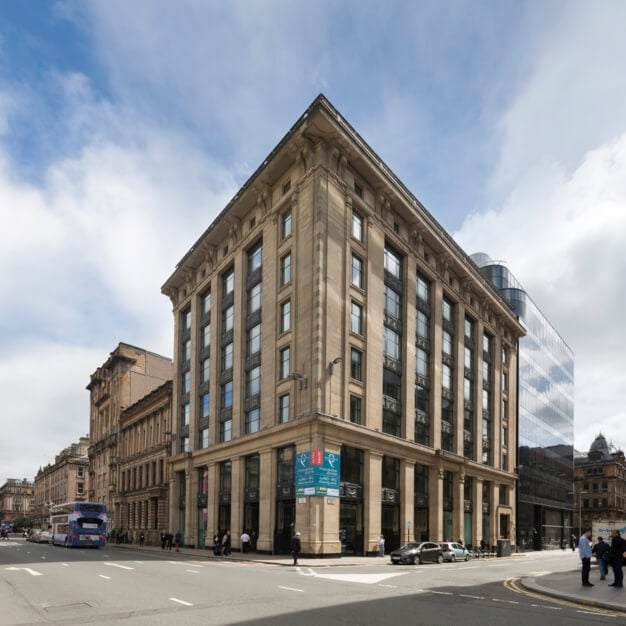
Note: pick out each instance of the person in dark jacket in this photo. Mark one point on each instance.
(601, 552)
(226, 544)
(296, 548)
(618, 547)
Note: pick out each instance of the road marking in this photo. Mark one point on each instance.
(443, 593)
(544, 606)
(32, 572)
(118, 565)
(594, 613)
(471, 567)
(105, 577)
(365, 579)
(291, 589)
(181, 602)
(466, 595)
(192, 571)
(390, 586)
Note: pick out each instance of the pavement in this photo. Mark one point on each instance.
(561, 585)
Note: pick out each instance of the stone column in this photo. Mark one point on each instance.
(191, 509)
(267, 500)
(458, 511)
(372, 479)
(407, 502)
(477, 530)
(236, 501)
(435, 503)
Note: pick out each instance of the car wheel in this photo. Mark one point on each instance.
(452, 558)
(440, 559)
(467, 557)
(417, 560)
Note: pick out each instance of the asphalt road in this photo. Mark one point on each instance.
(42, 584)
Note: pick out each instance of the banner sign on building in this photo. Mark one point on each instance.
(318, 473)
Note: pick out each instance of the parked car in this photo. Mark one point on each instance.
(39, 536)
(453, 551)
(44, 536)
(414, 552)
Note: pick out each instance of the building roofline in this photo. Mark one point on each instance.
(322, 103)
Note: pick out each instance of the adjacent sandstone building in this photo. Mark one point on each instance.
(16, 499)
(141, 502)
(129, 374)
(65, 480)
(342, 368)
(600, 484)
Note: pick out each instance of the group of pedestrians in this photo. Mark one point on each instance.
(605, 554)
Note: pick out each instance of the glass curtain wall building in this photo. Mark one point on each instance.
(545, 420)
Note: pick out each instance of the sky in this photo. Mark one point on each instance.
(126, 127)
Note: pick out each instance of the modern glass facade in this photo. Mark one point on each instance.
(545, 420)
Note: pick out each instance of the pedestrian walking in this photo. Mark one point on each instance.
(381, 545)
(584, 552)
(169, 539)
(177, 540)
(601, 551)
(296, 548)
(245, 542)
(226, 543)
(163, 540)
(141, 539)
(616, 553)
(216, 544)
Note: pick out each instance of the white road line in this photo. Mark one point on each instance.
(471, 567)
(390, 586)
(65, 564)
(43, 558)
(192, 571)
(443, 593)
(181, 602)
(596, 614)
(544, 606)
(466, 595)
(118, 565)
(105, 577)
(32, 572)
(291, 589)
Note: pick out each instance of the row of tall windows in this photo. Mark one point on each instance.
(253, 339)
(185, 382)
(447, 369)
(469, 376)
(392, 343)
(422, 361)
(487, 416)
(227, 307)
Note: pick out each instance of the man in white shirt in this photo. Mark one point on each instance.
(245, 542)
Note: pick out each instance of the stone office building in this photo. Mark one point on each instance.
(129, 374)
(326, 312)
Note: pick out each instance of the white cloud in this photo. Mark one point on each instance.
(85, 250)
(45, 405)
(563, 238)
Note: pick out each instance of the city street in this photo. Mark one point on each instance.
(41, 584)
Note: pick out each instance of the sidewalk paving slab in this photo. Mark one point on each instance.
(567, 586)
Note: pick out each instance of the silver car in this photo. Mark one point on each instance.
(453, 551)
